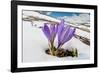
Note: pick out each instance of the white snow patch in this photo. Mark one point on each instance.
(35, 43)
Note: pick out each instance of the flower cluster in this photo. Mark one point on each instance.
(63, 32)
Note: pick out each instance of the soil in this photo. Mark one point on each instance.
(63, 53)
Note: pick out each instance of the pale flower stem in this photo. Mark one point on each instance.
(50, 49)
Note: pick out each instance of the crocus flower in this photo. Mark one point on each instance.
(50, 31)
(65, 33)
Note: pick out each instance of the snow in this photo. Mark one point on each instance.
(35, 44)
(81, 18)
(38, 15)
(83, 33)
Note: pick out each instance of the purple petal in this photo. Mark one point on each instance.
(56, 28)
(52, 28)
(65, 33)
(46, 31)
(60, 26)
(60, 30)
(69, 35)
(52, 31)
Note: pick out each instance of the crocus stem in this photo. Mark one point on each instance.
(50, 48)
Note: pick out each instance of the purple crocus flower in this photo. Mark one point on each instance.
(50, 31)
(65, 33)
